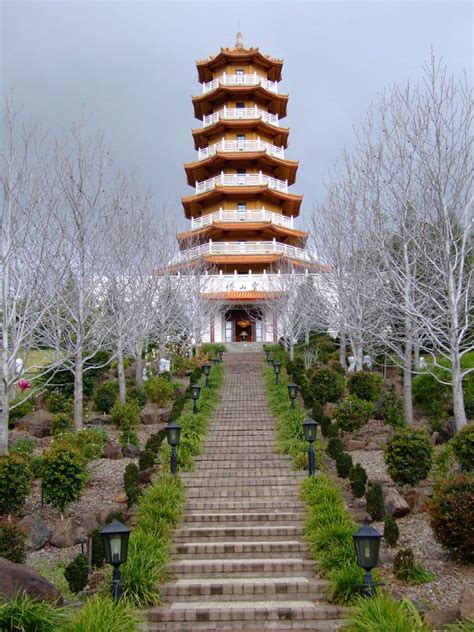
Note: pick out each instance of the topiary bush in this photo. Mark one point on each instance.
(463, 446)
(15, 483)
(365, 385)
(325, 385)
(12, 541)
(155, 440)
(353, 413)
(334, 447)
(146, 460)
(136, 394)
(343, 464)
(391, 532)
(90, 441)
(63, 475)
(61, 422)
(106, 396)
(97, 549)
(76, 573)
(159, 390)
(125, 415)
(131, 484)
(358, 480)
(404, 564)
(451, 512)
(328, 429)
(408, 456)
(57, 402)
(375, 501)
(391, 410)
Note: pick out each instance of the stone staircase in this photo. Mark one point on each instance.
(240, 561)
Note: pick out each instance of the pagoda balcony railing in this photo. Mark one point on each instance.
(243, 248)
(236, 180)
(240, 113)
(241, 145)
(236, 282)
(247, 215)
(240, 80)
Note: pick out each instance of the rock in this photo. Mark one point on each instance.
(131, 451)
(89, 523)
(37, 423)
(386, 556)
(150, 415)
(99, 421)
(416, 499)
(179, 391)
(145, 475)
(113, 451)
(354, 444)
(373, 445)
(165, 414)
(434, 438)
(68, 533)
(437, 618)
(360, 516)
(447, 432)
(466, 603)
(104, 515)
(395, 504)
(330, 409)
(19, 578)
(121, 498)
(38, 532)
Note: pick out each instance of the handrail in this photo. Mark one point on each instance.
(240, 113)
(240, 145)
(240, 80)
(247, 215)
(248, 179)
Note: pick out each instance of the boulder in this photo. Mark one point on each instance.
(105, 514)
(145, 475)
(38, 423)
(440, 617)
(68, 533)
(447, 432)
(113, 451)
(466, 603)
(88, 523)
(131, 451)
(416, 499)
(165, 414)
(354, 444)
(395, 504)
(150, 414)
(38, 532)
(121, 498)
(19, 578)
(361, 516)
(373, 445)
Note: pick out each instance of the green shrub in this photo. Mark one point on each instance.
(391, 410)
(106, 396)
(15, 483)
(433, 398)
(317, 412)
(36, 463)
(125, 416)
(463, 446)
(130, 482)
(407, 569)
(21, 406)
(334, 447)
(12, 541)
(408, 456)
(382, 613)
(451, 513)
(23, 446)
(343, 464)
(57, 402)
(97, 549)
(63, 475)
(365, 385)
(146, 460)
(136, 394)
(358, 480)
(154, 441)
(375, 501)
(102, 614)
(326, 385)
(212, 348)
(353, 413)
(76, 573)
(159, 390)
(24, 614)
(62, 422)
(129, 437)
(90, 441)
(445, 467)
(181, 365)
(328, 429)
(391, 532)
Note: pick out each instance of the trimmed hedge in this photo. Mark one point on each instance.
(408, 456)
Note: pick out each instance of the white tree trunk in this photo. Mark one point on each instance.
(121, 373)
(292, 351)
(407, 381)
(139, 365)
(458, 395)
(78, 390)
(342, 351)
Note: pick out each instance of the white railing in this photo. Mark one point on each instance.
(236, 180)
(243, 248)
(247, 282)
(240, 80)
(241, 145)
(240, 113)
(247, 215)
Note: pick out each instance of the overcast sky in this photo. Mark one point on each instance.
(131, 65)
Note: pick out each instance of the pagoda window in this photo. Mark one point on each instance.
(240, 142)
(239, 73)
(241, 210)
(241, 176)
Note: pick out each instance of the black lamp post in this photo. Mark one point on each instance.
(367, 546)
(173, 433)
(276, 368)
(115, 539)
(195, 390)
(292, 393)
(309, 428)
(270, 360)
(207, 370)
(215, 361)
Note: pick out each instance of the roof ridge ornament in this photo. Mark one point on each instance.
(239, 41)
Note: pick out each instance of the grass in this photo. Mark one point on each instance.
(381, 613)
(24, 614)
(101, 614)
(53, 571)
(419, 575)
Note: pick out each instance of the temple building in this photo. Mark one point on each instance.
(241, 211)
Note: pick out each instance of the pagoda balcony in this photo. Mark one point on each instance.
(248, 215)
(243, 248)
(240, 80)
(237, 180)
(241, 145)
(240, 113)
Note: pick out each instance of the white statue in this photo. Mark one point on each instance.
(352, 364)
(19, 366)
(367, 362)
(164, 365)
(422, 363)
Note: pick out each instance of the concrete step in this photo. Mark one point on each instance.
(247, 472)
(277, 493)
(236, 533)
(256, 482)
(249, 504)
(236, 519)
(243, 567)
(323, 625)
(265, 548)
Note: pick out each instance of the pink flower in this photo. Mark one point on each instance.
(23, 385)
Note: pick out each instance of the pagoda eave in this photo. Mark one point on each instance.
(207, 103)
(207, 67)
(218, 229)
(241, 296)
(279, 135)
(243, 259)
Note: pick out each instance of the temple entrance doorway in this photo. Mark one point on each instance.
(243, 325)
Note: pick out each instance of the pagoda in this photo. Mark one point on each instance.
(241, 211)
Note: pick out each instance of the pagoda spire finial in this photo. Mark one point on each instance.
(239, 41)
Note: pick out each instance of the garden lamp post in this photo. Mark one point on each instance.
(309, 428)
(195, 390)
(216, 361)
(292, 393)
(276, 368)
(173, 433)
(207, 370)
(270, 360)
(115, 539)
(367, 546)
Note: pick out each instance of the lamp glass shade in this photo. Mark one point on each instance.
(207, 369)
(309, 428)
(115, 539)
(276, 367)
(195, 390)
(173, 433)
(367, 546)
(292, 390)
